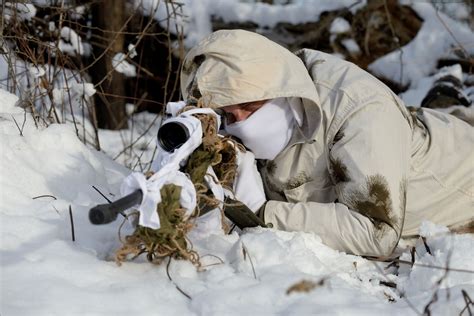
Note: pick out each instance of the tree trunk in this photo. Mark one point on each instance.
(109, 17)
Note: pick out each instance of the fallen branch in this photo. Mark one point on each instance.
(107, 199)
(176, 285)
(245, 252)
(43, 196)
(72, 224)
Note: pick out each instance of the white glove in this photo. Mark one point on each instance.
(248, 186)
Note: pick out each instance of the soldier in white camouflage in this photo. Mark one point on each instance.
(339, 153)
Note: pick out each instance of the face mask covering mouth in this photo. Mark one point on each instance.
(268, 130)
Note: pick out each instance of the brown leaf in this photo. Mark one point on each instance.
(304, 286)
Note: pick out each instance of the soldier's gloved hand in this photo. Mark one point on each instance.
(248, 186)
(244, 207)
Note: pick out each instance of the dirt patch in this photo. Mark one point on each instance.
(374, 201)
(338, 170)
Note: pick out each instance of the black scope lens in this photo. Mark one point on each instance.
(172, 135)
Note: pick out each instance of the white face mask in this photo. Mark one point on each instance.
(268, 130)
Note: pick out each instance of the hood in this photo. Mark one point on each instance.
(234, 66)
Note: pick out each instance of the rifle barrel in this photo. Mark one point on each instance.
(107, 213)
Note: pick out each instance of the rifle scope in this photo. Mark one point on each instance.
(172, 135)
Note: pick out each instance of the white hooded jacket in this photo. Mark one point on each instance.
(362, 170)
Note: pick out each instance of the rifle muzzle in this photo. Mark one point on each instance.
(107, 213)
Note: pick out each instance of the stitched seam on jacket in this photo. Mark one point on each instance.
(441, 183)
(338, 119)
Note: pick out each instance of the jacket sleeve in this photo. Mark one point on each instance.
(368, 162)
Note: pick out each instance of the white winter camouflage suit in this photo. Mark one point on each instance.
(362, 171)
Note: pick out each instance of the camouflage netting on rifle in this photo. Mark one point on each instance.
(170, 240)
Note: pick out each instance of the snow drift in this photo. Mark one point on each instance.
(47, 170)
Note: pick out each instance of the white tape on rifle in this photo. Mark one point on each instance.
(166, 167)
(152, 195)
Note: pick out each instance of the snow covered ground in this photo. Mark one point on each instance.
(418, 58)
(47, 171)
(46, 174)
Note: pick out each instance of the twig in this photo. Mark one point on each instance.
(44, 195)
(139, 137)
(72, 224)
(422, 265)
(18, 126)
(391, 284)
(214, 256)
(109, 46)
(139, 157)
(468, 301)
(434, 297)
(141, 100)
(400, 293)
(108, 200)
(70, 102)
(245, 252)
(139, 39)
(395, 39)
(169, 59)
(56, 210)
(180, 33)
(466, 54)
(152, 158)
(428, 250)
(95, 28)
(434, 267)
(412, 253)
(169, 277)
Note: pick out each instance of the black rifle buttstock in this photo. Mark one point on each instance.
(241, 215)
(107, 213)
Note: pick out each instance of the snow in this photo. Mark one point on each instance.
(8, 102)
(351, 46)
(132, 52)
(420, 88)
(32, 82)
(121, 65)
(76, 93)
(51, 26)
(197, 14)
(433, 37)
(78, 12)
(339, 25)
(70, 42)
(134, 147)
(24, 11)
(83, 89)
(428, 229)
(44, 272)
(76, 90)
(37, 71)
(46, 170)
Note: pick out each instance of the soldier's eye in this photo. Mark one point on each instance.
(230, 117)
